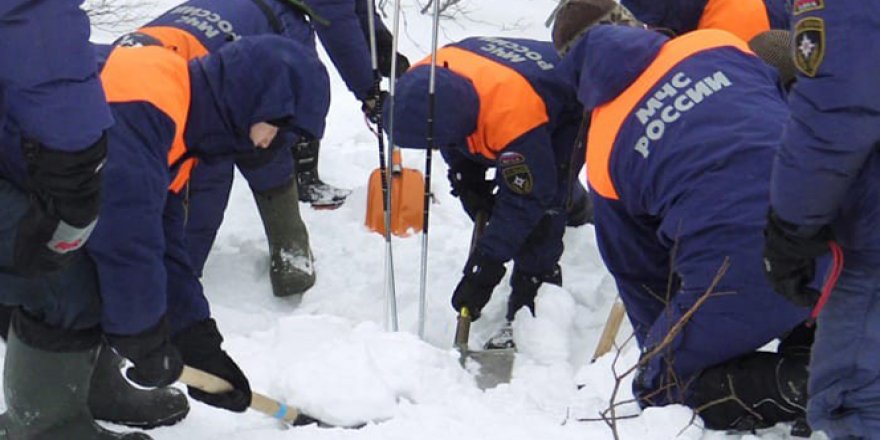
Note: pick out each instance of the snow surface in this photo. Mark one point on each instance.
(329, 352)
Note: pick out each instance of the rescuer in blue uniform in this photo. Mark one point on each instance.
(824, 188)
(500, 104)
(197, 27)
(151, 308)
(681, 141)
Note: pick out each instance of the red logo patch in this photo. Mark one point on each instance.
(802, 6)
(66, 246)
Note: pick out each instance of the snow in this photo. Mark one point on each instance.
(329, 352)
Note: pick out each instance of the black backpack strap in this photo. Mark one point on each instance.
(274, 21)
(297, 5)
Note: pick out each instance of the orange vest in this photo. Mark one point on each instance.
(607, 119)
(189, 47)
(509, 105)
(168, 90)
(743, 18)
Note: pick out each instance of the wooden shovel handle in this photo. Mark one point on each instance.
(210, 383)
(609, 333)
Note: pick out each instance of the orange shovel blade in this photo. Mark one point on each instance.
(407, 202)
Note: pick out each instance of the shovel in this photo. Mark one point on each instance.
(210, 383)
(407, 199)
(496, 365)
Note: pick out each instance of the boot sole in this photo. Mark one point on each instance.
(172, 419)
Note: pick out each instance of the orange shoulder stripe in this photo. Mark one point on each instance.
(743, 18)
(178, 40)
(159, 77)
(608, 119)
(509, 105)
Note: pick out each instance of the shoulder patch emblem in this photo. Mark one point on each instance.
(809, 45)
(516, 173)
(801, 6)
(510, 158)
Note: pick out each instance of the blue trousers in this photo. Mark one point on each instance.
(68, 298)
(845, 367)
(209, 189)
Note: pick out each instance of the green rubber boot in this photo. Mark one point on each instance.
(291, 270)
(47, 388)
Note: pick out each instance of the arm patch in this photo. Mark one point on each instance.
(516, 173)
(809, 45)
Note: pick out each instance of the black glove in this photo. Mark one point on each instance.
(790, 260)
(524, 289)
(384, 43)
(65, 199)
(372, 105)
(469, 184)
(200, 347)
(157, 363)
(798, 341)
(481, 275)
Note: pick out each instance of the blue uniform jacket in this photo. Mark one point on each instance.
(690, 166)
(48, 84)
(826, 171)
(681, 16)
(138, 245)
(545, 149)
(215, 23)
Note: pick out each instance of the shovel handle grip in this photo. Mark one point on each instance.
(609, 333)
(463, 329)
(210, 383)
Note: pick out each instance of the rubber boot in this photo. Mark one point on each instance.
(754, 391)
(113, 399)
(47, 387)
(311, 188)
(291, 268)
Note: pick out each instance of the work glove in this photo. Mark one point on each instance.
(65, 196)
(481, 275)
(524, 289)
(372, 105)
(469, 184)
(790, 259)
(200, 347)
(157, 363)
(384, 43)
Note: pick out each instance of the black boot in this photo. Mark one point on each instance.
(46, 381)
(311, 188)
(113, 399)
(752, 392)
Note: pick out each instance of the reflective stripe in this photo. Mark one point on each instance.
(509, 105)
(167, 89)
(178, 40)
(608, 119)
(743, 18)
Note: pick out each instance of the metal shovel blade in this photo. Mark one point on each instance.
(496, 365)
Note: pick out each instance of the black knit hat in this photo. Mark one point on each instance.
(575, 17)
(774, 47)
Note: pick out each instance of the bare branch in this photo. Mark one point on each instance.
(112, 15)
